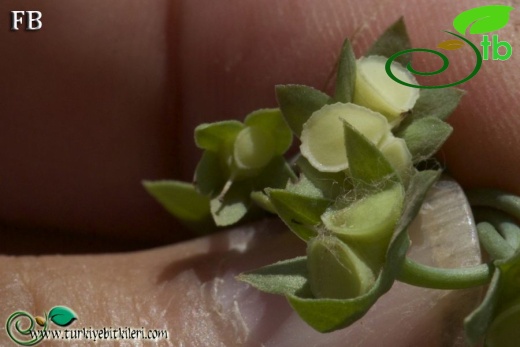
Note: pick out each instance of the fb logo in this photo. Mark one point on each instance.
(32, 20)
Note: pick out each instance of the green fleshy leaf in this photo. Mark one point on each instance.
(275, 175)
(393, 40)
(482, 19)
(346, 76)
(298, 102)
(329, 184)
(272, 122)
(300, 213)
(212, 136)
(209, 178)
(233, 206)
(327, 315)
(182, 200)
(438, 103)
(425, 136)
(62, 316)
(284, 277)
(366, 163)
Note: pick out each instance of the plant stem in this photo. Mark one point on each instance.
(226, 188)
(430, 277)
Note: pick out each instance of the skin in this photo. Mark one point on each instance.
(107, 94)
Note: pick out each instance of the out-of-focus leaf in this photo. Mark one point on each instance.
(227, 213)
(229, 207)
(209, 178)
(394, 39)
(425, 136)
(451, 45)
(275, 175)
(212, 136)
(482, 19)
(298, 102)
(233, 206)
(346, 76)
(273, 123)
(438, 103)
(180, 199)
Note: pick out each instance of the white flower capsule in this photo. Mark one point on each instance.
(376, 90)
(323, 139)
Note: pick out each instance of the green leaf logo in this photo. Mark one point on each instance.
(483, 19)
(62, 316)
